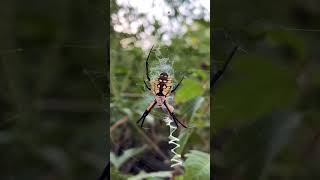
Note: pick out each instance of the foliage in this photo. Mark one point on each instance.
(52, 74)
(197, 166)
(265, 109)
(127, 154)
(116, 175)
(188, 54)
(268, 135)
(153, 176)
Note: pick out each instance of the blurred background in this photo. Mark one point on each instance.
(266, 107)
(180, 31)
(52, 78)
(265, 111)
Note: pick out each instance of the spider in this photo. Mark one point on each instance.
(161, 89)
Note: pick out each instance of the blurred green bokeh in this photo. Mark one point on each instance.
(52, 117)
(264, 112)
(265, 109)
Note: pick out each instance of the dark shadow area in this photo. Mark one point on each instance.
(52, 89)
(265, 110)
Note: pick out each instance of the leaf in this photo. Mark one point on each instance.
(127, 154)
(116, 175)
(246, 93)
(142, 175)
(189, 89)
(178, 178)
(184, 138)
(190, 112)
(197, 166)
(185, 135)
(263, 139)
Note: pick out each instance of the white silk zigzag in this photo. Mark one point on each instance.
(176, 158)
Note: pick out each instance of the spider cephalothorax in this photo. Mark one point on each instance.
(161, 87)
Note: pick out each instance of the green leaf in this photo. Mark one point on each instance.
(116, 175)
(264, 139)
(197, 166)
(142, 175)
(178, 178)
(185, 135)
(189, 89)
(127, 154)
(247, 93)
(184, 138)
(190, 112)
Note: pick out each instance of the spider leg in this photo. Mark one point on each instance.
(147, 65)
(146, 85)
(220, 72)
(170, 110)
(175, 88)
(146, 112)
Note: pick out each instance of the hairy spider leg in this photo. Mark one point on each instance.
(220, 72)
(147, 64)
(170, 110)
(146, 112)
(175, 88)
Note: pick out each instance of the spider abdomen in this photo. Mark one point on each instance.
(162, 85)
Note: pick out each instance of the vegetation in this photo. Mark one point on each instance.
(144, 153)
(265, 109)
(264, 112)
(52, 117)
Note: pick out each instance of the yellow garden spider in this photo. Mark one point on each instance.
(161, 88)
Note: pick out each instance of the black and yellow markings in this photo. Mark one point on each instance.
(160, 86)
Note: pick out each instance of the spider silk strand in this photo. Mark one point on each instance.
(176, 158)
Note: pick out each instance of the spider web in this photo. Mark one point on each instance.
(159, 61)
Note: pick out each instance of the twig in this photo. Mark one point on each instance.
(154, 146)
(118, 123)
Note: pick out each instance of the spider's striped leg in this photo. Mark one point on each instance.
(146, 112)
(147, 65)
(170, 110)
(217, 76)
(175, 88)
(146, 85)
